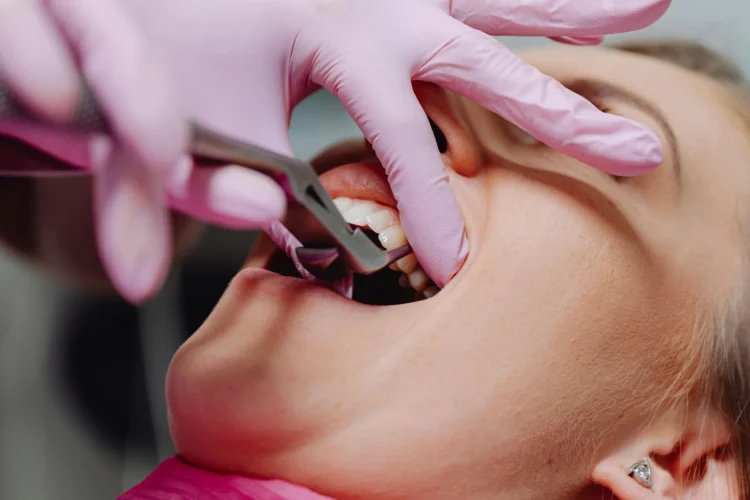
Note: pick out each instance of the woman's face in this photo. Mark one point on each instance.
(571, 317)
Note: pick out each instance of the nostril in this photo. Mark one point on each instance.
(442, 141)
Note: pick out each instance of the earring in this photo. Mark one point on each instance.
(641, 472)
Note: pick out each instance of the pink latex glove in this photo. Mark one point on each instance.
(46, 47)
(242, 66)
(176, 480)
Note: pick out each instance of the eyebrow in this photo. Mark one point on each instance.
(589, 89)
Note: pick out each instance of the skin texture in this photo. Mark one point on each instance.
(241, 67)
(519, 379)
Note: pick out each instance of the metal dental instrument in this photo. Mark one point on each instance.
(354, 251)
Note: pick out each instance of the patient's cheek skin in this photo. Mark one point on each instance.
(510, 376)
(562, 272)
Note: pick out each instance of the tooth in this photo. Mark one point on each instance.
(392, 238)
(418, 279)
(403, 281)
(343, 204)
(357, 214)
(408, 264)
(431, 291)
(380, 221)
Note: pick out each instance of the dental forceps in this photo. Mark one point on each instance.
(353, 250)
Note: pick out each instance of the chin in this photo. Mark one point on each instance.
(272, 327)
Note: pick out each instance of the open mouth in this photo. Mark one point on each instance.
(362, 194)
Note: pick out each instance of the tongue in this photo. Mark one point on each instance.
(287, 242)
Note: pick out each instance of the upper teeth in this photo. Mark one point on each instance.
(385, 222)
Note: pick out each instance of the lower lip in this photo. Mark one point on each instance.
(256, 280)
(250, 283)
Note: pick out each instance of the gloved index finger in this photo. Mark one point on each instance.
(480, 68)
(557, 17)
(392, 119)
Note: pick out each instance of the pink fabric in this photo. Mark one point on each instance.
(176, 480)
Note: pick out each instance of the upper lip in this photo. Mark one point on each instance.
(363, 181)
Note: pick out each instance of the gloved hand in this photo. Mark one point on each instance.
(241, 67)
(45, 47)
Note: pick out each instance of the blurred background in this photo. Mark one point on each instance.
(82, 412)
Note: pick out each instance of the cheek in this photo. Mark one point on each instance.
(558, 253)
(553, 310)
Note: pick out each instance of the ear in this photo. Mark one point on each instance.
(705, 467)
(460, 152)
(685, 463)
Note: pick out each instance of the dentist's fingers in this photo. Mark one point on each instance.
(383, 104)
(480, 68)
(233, 197)
(578, 40)
(131, 86)
(132, 224)
(34, 61)
(557, 17)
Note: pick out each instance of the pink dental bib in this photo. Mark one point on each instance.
(176, 480)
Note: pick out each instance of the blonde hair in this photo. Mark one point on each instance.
(724, 382)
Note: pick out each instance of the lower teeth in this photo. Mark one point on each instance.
(386, 223)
